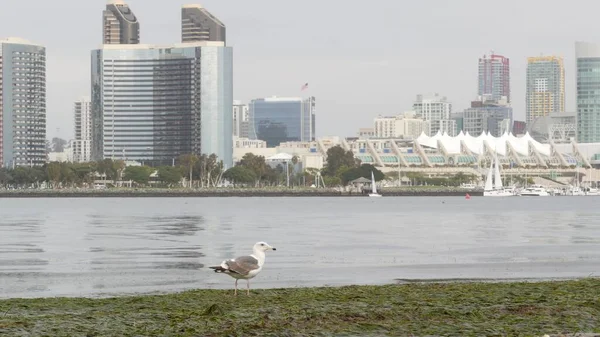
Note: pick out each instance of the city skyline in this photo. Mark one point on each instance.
(284, 52)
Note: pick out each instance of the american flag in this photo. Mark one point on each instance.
(304, 87)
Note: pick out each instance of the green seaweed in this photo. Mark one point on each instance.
(433, 309)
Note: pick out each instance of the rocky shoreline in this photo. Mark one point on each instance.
(213, 193)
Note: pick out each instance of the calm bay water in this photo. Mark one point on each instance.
(100, 247)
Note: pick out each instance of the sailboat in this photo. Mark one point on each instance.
(493, 183)
(373, 187)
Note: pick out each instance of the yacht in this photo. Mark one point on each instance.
(534, 191)
(493, 183)
(592, 191)
(575, 191)
(374, 187)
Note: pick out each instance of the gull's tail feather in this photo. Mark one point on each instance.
(219, 269)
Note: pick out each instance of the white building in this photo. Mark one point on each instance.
(406, 125)
(82, 144)
(240, 119)
(246, 143)
(443, 153)
(310, 154)
(66, 156)
(366, 133)
(22, 103)
(444, 126)
(436, 111)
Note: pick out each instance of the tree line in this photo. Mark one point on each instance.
(204, 171)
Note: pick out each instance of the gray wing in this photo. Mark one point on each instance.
(242, 265)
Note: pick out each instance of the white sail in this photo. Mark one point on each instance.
(488, 181)
(374, 187)
(497, 177)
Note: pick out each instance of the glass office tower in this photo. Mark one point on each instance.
(154, 103)
(588, 92)
(276, 120)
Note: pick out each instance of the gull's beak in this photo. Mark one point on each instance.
(273, 248)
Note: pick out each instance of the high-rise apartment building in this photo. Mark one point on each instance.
(240, 119)
(197, 24)
(277, 120)
(406, 125)
(82, 144)
(120, 25)
(545, 86)
(588, 92)
(153, 103)
(22, 103)
(494, 77)
(436, 112)
(432, 108)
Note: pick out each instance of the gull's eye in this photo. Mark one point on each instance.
(262, 244)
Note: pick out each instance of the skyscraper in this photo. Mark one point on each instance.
(22, 103)
(82, 144)
(588, 92)
(120, 26)
(197, 24)
(494, 77)
(277, 120)
(153, 103)
(545, 86)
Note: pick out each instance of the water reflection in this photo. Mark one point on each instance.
(23, 253)
(145, 243)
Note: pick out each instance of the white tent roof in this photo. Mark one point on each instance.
(478, 144)
(281, 156)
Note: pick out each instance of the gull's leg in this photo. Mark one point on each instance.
(235, 293)
(248, 287)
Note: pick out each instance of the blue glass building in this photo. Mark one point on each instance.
(588, 92)
(276, 120)
(154, 103)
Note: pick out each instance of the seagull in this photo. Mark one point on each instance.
(245, 267)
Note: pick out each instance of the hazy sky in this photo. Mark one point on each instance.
(361, 59)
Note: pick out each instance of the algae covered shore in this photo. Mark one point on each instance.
(438, 309)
